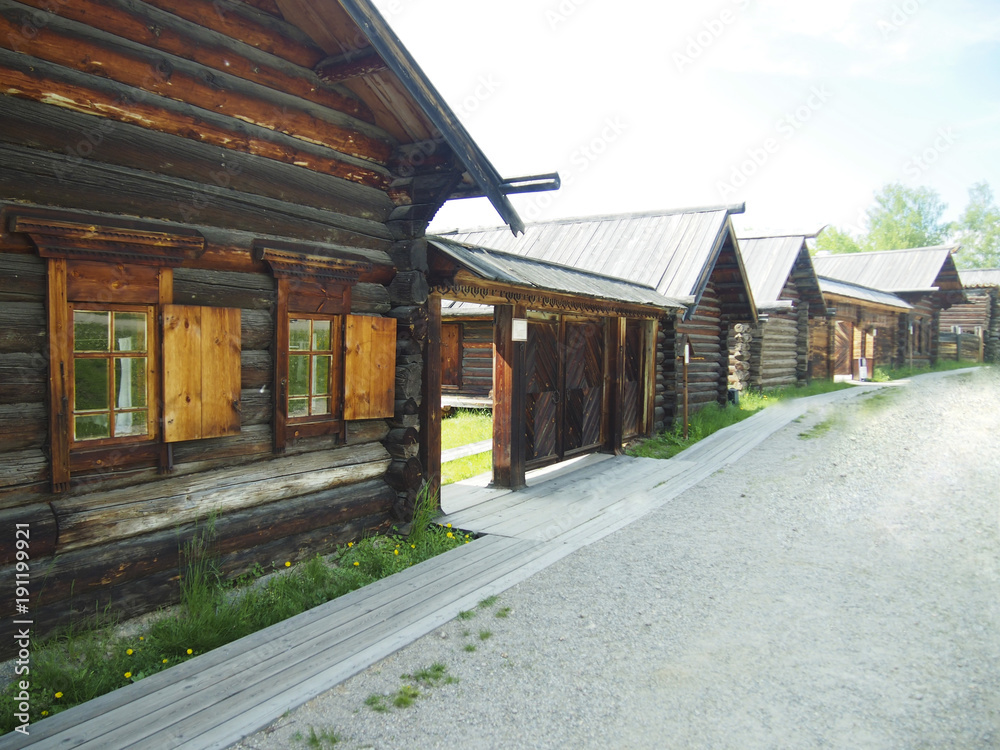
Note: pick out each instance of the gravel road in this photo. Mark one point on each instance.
(837, 588)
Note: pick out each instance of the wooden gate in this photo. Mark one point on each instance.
(843, 348)
(564, 374)
(632, 375)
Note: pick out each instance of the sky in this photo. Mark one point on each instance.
(801, 110)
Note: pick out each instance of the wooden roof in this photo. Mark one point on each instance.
(973, 278)
(533, 278)
(922, 269)
(770, 263)
(402, 99)
(832, 288)
(673, 252)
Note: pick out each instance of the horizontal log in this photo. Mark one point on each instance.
(408, 287)
(256, 329)
(408, 436)
(40, 81)
(367, 431)
(248, 291)
(22, 468)
(404, 475)
(213, 170)
(23, 378)
(39, 532)
(256, 369)
(155, 28)
(370, 298)
(22, 283)
(92, 519)
(88, 50)
(25, 425)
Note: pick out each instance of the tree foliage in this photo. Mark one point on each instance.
(903, 217)
(978, 229)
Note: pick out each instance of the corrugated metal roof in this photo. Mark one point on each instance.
(533, 273)
(979, 277)
(666, 250)
(913, 270)
(769, 262)
(862, 293)
(457, 309)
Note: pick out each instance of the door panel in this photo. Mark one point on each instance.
(632, 406)
(584, 389)
(541, 359)
(843, 347)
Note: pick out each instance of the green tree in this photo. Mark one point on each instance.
(833, 240)
(904, 217)
(978, 229)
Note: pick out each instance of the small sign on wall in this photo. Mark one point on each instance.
(519, 329)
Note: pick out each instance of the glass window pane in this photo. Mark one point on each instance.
(321, 406)
(130, 423)
(321, 335)
(298, 334)
(298, 375)
(298, 407)
(91, 379)
(321, 375)
(90, 331)
(92, 427)
(130, 382)
(130, 332)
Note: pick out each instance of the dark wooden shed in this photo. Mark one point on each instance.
(691, 255)
(789, 302)
(212, 284)
(574, 354)
(925, 277)
(971, 330)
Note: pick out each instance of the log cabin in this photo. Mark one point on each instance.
(860, 331)
(926, 278)
(691, 255)
(971, 330)
(574, 354)
(212, 285)
(789, 303)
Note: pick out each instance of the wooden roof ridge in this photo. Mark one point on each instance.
(771, 260)
(730, 209)
(876, 269)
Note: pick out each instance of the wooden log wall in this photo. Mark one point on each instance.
(740, 344)
(821, 348)
(775, 357)
(665, 399)
(204, 115)
(979, 312)
(708, 371)
(477, 358)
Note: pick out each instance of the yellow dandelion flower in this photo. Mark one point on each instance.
(142, 638)
(190, 652)
(413, 546)
(350, 544)
(59, 695)
(288, 564)
(448, 525)
(45, 713)
(450, 535)
(396, 551)
(356, 564)
(466, 541)
(128, 675)
(165, 661)
(128, 651)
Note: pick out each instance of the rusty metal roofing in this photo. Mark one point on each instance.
(862, 293)
(979, 277)
(670, 251)
(533, 273)
(913, 270)
(769, 262)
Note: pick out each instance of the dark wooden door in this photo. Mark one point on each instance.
(451, 355)
(541, 361)
(564, 375)
(632, 398)
(843, 347)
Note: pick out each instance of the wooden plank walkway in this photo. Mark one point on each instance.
(214, 700)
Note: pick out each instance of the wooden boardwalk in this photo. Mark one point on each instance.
(214, 700)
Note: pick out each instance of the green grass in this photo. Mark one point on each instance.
(887, 374)
(75, 667)
(324, 739)
(714, 417)
(465, 426)
(817, 430)
(427, 678)
(462, 427)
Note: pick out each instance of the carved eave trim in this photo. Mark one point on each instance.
(108, 243)
(542, 300)
(286, 263)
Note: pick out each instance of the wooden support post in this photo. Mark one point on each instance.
(60, 356)
(508, 400)
(614, 383)
(430, 423)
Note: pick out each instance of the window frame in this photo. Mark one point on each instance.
(335, 380)
(152, 434)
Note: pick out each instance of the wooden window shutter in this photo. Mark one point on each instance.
(369, 367)
(201, 372)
